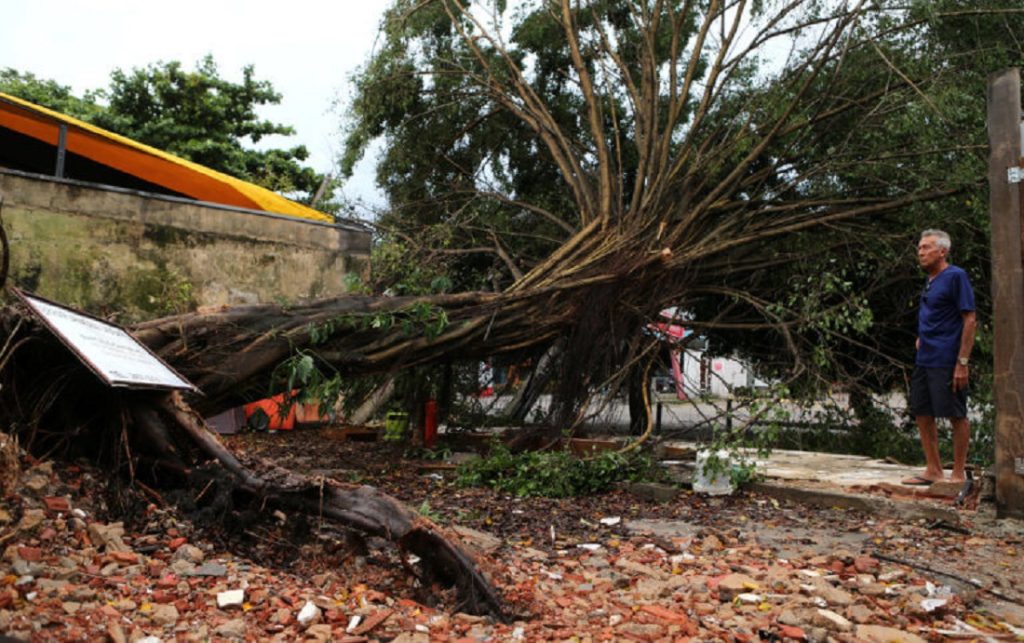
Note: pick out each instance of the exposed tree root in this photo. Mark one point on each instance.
(363, 508)
(57, 406)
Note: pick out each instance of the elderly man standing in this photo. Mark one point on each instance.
(945, 337)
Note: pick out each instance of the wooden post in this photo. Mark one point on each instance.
(1004, 115)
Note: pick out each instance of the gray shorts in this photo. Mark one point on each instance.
(931, 393)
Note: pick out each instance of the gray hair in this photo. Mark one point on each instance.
(942, 239)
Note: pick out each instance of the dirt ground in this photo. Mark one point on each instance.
(608, 567)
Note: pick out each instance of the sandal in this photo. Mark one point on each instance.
(917, 481)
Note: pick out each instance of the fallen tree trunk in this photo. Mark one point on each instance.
(377, 398)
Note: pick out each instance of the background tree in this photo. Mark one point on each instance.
(197, 115)
(48, 93)
(862, 324)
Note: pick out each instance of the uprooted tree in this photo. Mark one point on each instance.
(614, 157)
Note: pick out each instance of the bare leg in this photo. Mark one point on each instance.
(930, 444)
(961, 439)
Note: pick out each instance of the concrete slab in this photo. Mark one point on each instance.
(837, 480)
(830, 468)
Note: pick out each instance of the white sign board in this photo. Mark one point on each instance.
(107, 349)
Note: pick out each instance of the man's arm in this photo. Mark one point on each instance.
(966, 345)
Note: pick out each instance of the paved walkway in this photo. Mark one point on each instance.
(851, 481)
(831, 468)
(837, 469)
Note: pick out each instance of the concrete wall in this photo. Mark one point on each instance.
(138, 255)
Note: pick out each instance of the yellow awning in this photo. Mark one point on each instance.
(145, 162)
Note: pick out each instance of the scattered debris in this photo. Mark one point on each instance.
(736, 567)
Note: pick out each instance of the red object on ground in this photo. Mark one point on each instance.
(430, 424)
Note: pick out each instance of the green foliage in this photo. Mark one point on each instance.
(48, 93)
(769, 412)
(305, 372)
(428, 512)
(419, 318)
(867, 426)
(354, 284)
(553, 474)
(394, 272)
(895, 111)
(177, 296)
(197, 115)
(931, 135)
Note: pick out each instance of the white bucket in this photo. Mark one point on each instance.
(713, 483)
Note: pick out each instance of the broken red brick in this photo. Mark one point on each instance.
(372, 621)
(109, 611)
(177, 542)
(283, 616)
(666, 614)
(170, 580)
(124, 556)
(334, 616)
(163, 596)
(792, 632)
(375, 596)
(30, 554)
(57, 504)
(865, 565)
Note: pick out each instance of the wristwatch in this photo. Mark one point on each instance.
(963, 361)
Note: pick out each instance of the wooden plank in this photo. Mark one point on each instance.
(586, 447)
(1004, 112)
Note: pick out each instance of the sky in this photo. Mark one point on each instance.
(308, 50)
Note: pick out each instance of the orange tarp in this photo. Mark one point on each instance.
(145, 162)
(278, 419)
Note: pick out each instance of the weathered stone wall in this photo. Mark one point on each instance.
(137, 255)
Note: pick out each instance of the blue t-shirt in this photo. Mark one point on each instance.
(940, 320)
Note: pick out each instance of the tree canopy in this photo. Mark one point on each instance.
(763, 165)
(197, 115)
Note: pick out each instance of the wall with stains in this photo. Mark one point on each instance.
(133, 255)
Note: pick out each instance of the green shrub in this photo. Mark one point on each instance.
(553, 474)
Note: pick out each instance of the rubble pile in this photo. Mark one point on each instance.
(68, 574)
(71, 571)
(712, 586)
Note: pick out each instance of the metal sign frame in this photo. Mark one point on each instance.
(91, 361)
